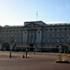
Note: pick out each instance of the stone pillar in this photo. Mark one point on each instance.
(38, 38)
(25, 34)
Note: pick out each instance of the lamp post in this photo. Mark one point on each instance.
(26, 52)
(15, 44)
(11, 45)
(0, 42)
(10, 51)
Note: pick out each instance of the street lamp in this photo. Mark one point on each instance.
(11, 45)
(0, 42)
(10, 51)
(15, 44)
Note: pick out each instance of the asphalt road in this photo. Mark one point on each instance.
(38, 61)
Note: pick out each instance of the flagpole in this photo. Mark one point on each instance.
(37, 15)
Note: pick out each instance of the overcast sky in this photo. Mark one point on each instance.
(16, 12)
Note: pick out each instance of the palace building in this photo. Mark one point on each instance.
(34, 33)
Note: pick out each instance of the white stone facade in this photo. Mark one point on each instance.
(36, 33)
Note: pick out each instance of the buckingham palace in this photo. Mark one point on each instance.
(34, 33)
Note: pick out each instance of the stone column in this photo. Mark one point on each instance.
(28, 37)
(39, 36)
(25, 34)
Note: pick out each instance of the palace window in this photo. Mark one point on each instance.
(38, 31)
(25, 32)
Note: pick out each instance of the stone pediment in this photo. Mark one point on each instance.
(32, 26)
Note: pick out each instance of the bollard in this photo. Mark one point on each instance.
(27, 56)
(64, 58)
(23, 56)
(59, 58)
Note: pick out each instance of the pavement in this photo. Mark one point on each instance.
(38, 61)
